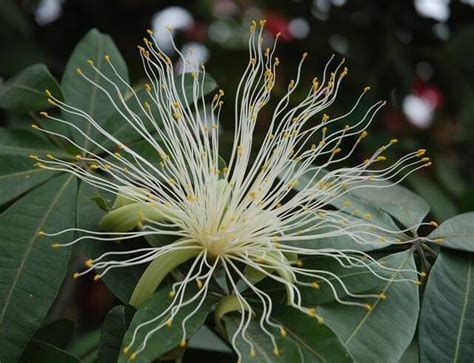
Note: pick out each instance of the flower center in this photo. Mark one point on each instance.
(217, 243)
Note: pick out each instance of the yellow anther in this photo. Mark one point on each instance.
(381, 158)
(78, 157)
(147, 87)
(199, 283)
(438, 240)
(366, 89)
(34, 157)
(417, 282)
(48, 93)
(421, 152)
(90, 61)
(393, 141)
(169, 322)
(149, 31)
(50, 157)
(253, 353)
(320, 319)
(299, 263)
(125, 350)
(44, 114)
(311, 312)
(344, 72)
(382, 296)
(423, 274)
(133, 356)
(336, 151)
(324, 119)
(55, 245)
(172, 293)
(276, 351)
(283, 332)
(368, 307)
(428, 164)
(75, 275)
(88, 263)
(41, 233)
(34, 126)
(262, 22)
(315, 285)
(97, 277)
(367, 216)
(79, 71)
(425, 159)
(182, 344)
(107, 58)
(305, 54)
(434, 224)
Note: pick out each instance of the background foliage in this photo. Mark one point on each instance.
(420, 62)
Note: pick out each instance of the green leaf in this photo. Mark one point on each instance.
(86, 347)
(447, 313)
(289, 352)
(18, 175)
(58, 333)
(115, 325)
(166, 338)
(121, 281)
(356, 279)
(383, 333)
(457, 232)
(26, 91)
(25, 143)
(407, 207)
(41, 352)
(80, 93)
(32, 272)
(316, 341)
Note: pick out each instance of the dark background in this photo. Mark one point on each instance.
(416, 54)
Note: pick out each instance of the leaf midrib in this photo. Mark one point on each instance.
(30, 247)
(366, 316)
(463, 313)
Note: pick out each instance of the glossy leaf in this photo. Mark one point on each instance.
(457, 232)
(383, 333)
(447, 314)
(288, 351)
(18, 175)
(113, 329)
(316, 341)
(82, 94)
(42, 352)
(121, 281)
(32, 271)
(26, 91)
(166, 338)
(25, 143)
(58, 333)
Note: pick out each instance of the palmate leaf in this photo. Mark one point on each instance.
(113, 329)
(42, 352)
(18, 175)
(457, 232)
(32, 272)
(166, 338)
(447, 313)
(24, 143)
(121, 281)
(383, 333)
(25, 92)
(85, 96)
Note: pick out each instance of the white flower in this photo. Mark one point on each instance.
(265, 210)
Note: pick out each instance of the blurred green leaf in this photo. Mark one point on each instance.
(383, 333)
(26, 91)
(457, 232)
(86, 347)
(121, 281)
(447, 313)
(113, 329)
(80, 93)
(289, 352)
(41, 352)
(58, 333)
(166, 338)
(12, 16)
(24, 143)
(18, 175)
(442, 207)
(32, 272)
(316, 341)
(449, 176)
